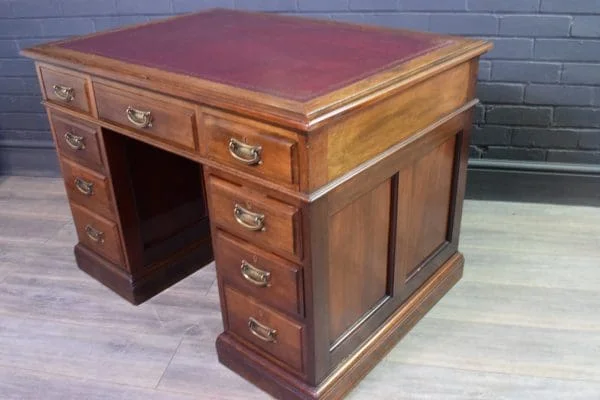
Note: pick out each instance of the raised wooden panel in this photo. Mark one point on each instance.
(358, 258)
(425, 191)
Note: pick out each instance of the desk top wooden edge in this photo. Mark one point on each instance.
(303, 115)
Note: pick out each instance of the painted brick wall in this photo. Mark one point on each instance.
(540, 86)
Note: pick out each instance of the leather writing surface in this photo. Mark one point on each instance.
(293, 58)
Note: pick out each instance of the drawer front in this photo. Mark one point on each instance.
(165, 119)
(66, 88)
(277, 335)
(266, 277)
(98, 234)
(256, 218)
(88, 188)
(77, 141)
(255, 148)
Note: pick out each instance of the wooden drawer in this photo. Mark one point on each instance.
(272, 332)
(66, 88)
(165, 119)
(88, 188)
(255, 217)
(252, 147)
(77, 140)
(264, 276)
(98, 234)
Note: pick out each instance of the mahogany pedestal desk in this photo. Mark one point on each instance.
(323, 164)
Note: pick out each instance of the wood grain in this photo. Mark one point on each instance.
(289, 335)
(51, 76)
(358, 258)
(284, 287)
(90, 155)
(99, 199)
(281, 221)
(278, 148)
(173, 122)
(352, 140)
(109, 243)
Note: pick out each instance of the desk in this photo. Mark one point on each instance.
(322, 164)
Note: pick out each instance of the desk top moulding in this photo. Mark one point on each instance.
(298, 72)
(321, 164)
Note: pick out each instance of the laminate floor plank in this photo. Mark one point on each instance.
(524, 306)
(18, 230)
(46, 284)
(390, 380)
(522, 324)
(509, 349)
(19, 384)
(195, 367)
(533, 270)
(29, 185)
(86, 352)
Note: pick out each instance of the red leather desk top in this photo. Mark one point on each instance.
(292, 58)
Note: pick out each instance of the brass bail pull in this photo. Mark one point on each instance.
(255, 275)
(248, 219)
(140, 119)
(64, 93)
(261, 331)
(247, 154)
(86, 188)
(94, 234)
(75, 142)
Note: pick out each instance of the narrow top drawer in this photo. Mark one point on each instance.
(251, 146)
(77, 140)
(66, 88)
(165, 119)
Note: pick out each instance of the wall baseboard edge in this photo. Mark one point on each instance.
(537, 182)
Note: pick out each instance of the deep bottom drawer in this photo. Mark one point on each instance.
(98, 234)
(277, 335)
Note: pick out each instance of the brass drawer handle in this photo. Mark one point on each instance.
(248, 219)
(255, 275)
(261, 331)
(249, 155)
(94, 234)
(139, 118)
(64, 93)
(75, 142)
(85, 187)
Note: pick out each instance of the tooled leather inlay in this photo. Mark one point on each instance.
(290, 58)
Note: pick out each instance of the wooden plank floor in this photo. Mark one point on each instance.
(524, 323)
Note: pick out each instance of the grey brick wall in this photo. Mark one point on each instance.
(540, 86)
